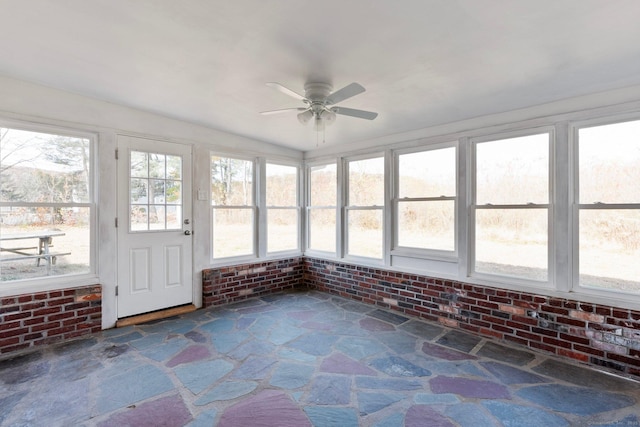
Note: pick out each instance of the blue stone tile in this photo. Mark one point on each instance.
(575, 400)
(291, 375)
(628, 421)
(511, 415)
(395, 420)
(205, 419)
(224, 343)
(300, 356)
(399, 367)
(200, 376)
(165, 350)
(368, 403)
(218, 326)
(510, 375)
(359, 348)
(245, 322)
(472, 415)
(130, 387)
(254, 368)
(255, 347)
(399, 342)
(7, 403)
(314, 343)
(148, 341)
(457, 368)
(324, 416)
(388, 384)
(284, 333)
(297, 395)
(227, 391)
(120, 339)
(330, 390)
(435, 399)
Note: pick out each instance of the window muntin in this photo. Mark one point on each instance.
(232, 199)
(511, 208)
(321, 210)
(282, 207)
(608, 210)
(46, 204)
(426, 201)
(365, 207)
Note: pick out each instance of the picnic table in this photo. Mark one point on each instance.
(39, 252)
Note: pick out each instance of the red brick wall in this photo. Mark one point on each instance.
(230, 284)
(31, 320)
(591, 333)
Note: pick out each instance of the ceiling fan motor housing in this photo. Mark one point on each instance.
(317, 92)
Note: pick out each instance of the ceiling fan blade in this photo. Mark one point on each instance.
(346, 92)
(361, 114)
(284, 110)
(286, 91)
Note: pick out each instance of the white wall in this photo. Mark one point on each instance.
(26, 102)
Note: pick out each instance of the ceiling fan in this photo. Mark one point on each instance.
(320, 103)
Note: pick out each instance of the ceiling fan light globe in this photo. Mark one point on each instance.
(305, 116)
(328, 117)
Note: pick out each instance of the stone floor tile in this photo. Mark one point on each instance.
(424, 330)
(298, 355)
(505, 354)
(165, 350)
(583, 376)
(131, 387)
(417, 414)
(446, 353)
(399, 342)
(330, 390)
(253, 347)
(166, 411)
(399, 367)
(218, 326)
(8, 403)
(358, 347)
(368, 402)
(284, 334)
(224, 343)
(266, 409)
(255, 368)
(190, 354)
(291, 375)
(227, 391)
(511, 415)
(388, 316)
(22, 369)
(459, 340)
(205, 419)
(375, 325)
(469, 388)
(472, 415)
(317, 344)
(575, 400)
(510, 375)
(338, 363)
(148, 341)
(201, 375)
(323, 416)
(195, 336)
(388, 383)
(126, 338)
(436, 399)
(395, 420)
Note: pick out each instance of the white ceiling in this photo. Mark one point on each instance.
(423, 62)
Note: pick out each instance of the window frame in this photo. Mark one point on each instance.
(472, 209)
(347, 207)
(253, 208)
(309, 208)
(64, 280)
(424, 253)
(576, 206)
(297, 208)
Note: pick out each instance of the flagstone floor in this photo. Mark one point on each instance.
(304, 359)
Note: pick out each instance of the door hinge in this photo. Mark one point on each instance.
(116, 154)
(116, 222)
(116, 291)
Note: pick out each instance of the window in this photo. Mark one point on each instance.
(321, 210)
(46, 204)
(232, 199)
(365, 207)
(511, 208)
(609, 206)
(426, 199)
(282, 207)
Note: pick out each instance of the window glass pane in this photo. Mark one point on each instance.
(157, 220)
(139, 165)
(513, 171)
(427, 173)
(232, 232)
(231, 182)
(282, 230)
(174, 167)
(139, 218)
(282, 185)
(366, 182)
(323, 182)
(365, 233)
(44, 241)
(609, 159)
(610, 249)
(427, 225)
(157, 166)
(512, 242)
(44, 168)
(322, 229)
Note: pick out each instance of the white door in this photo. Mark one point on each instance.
(154, 225)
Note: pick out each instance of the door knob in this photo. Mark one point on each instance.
(187, 232)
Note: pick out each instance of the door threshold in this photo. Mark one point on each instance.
(155, 315)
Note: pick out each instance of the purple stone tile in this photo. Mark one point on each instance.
(419, 415)
(374, 325)
(318, 326)
(445, 353)
(167, 411)
(265, 409)
(302, 315)
(340, 364)
(469, 388)
(189, 354)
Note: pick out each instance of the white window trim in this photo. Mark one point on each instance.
(48, 283)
